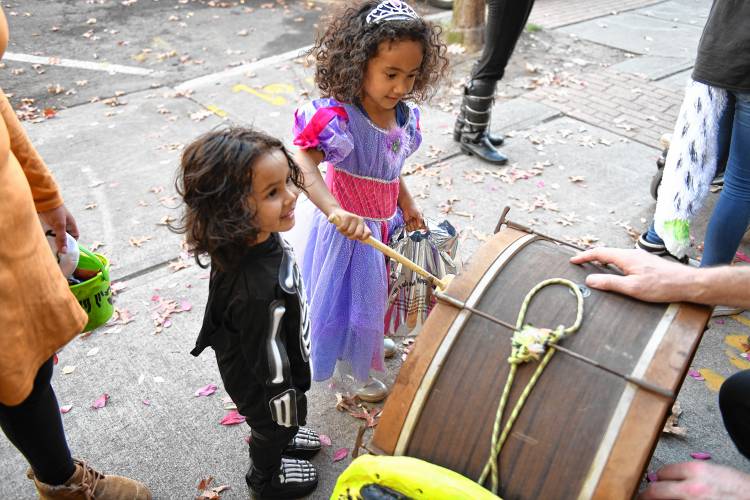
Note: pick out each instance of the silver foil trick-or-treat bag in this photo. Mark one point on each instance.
(410, 297)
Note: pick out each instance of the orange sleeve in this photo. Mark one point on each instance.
(43, 185)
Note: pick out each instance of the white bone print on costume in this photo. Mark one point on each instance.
(294, 470)
(284, 408)
(275, 363)
(290, 279)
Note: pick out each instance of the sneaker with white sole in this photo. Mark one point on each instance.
(658, 249)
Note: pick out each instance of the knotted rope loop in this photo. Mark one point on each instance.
(528, 343)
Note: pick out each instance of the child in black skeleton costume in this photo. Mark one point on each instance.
(240, 188)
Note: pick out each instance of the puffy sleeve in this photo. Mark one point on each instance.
(324, 124)
(414, 130)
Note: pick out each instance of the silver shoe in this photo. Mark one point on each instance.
(373, 391)
(389, 347)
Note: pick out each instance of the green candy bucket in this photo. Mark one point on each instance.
(94, 295)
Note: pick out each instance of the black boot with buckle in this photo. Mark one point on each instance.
(472, 125)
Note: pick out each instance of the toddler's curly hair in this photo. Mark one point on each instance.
(342, 51)
(215, 181)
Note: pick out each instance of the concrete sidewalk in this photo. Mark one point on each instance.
(587, 95)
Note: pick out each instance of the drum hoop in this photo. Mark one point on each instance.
(435, 366)
(623, 405)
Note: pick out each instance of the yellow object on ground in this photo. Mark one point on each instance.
(409, 476)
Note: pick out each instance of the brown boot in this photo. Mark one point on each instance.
(88, 484)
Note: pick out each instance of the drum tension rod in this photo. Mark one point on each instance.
(633, 380)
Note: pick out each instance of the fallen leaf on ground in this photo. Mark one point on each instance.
(101, 401)
(122, 317)
(347, 403)
(232, 418)
(206, 492)
(206, 390)
(177, 265)
(340, 454)
(671, 426)
(138, 242)
(67, 370)
(93, 352)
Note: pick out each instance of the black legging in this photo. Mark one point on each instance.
(734, 402)
(505, 22)
(35, 428)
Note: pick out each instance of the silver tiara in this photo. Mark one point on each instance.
(391, 10)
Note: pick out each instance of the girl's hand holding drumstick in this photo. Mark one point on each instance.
(442, 284)
(350, 225)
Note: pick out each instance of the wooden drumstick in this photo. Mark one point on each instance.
(442, 284)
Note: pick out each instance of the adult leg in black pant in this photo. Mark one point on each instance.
(735, 409)
(505, 22)
(35, 428)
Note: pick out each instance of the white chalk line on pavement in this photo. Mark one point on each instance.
(75, 63)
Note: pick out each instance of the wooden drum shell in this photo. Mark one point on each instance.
(583, 433)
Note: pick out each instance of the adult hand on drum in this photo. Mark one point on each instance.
(698, 481)
(654, 279)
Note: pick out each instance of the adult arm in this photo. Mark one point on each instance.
(350, 225)
(47, 198)
(653, 279)
(698, 481)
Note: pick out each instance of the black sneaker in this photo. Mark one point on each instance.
(295, 478)
(658, 249)
(305, 444)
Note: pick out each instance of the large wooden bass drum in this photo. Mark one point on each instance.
(583, 432)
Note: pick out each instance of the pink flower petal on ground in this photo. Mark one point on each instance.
(325, 440)
(65, 409)
(696, 374)
(185, 305)
(652, 477)
(340, 454)
(247, 439)
(206, 391)
(741, 256)
(101, 401)
(155, 298)
(701, 455)
(146, 402)
(719, 321)
(232, 418)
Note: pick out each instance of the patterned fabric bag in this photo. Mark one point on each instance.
(410, 297)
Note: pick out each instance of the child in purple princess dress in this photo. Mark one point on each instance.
(371, 61)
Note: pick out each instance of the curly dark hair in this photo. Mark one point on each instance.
(215, 181)
(342, 51)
